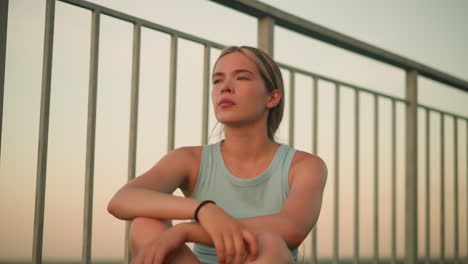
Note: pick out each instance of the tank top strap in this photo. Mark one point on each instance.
(286, 166)
(206, 166)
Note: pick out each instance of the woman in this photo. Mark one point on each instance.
(254, 200)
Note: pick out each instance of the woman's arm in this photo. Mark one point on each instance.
(150, 194)
(300, 212)
(298, 215)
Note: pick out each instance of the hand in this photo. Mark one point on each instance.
(160, 249)
(233, 242)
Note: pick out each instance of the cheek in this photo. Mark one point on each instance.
(214, 96)
(258, 95)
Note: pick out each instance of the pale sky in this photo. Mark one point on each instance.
(430, 32)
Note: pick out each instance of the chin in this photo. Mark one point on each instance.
(235, 122)
(228, 120)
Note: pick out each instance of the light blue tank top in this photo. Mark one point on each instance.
(263, 195)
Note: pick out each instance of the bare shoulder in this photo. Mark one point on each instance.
(190, 158)
(190, 153)
(186, 157)
(308, 167)
(174, 170)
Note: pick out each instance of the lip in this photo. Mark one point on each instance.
(226, 102)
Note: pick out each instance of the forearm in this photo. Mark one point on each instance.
(194, 232)
(129, 203)
(275, 223)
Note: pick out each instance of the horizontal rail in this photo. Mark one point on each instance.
(432, 109)
(340, 83)
(300, 25)
(142, 22)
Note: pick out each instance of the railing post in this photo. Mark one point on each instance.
(3, 38)
(266, 34)
(43, 133)
(172, 93)
(411, 188)
(292, 88)
(132, 148)
(91, 138)
(206, 94)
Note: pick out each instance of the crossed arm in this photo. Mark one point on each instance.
(149, 195)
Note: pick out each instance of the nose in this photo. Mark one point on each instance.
(226, 87)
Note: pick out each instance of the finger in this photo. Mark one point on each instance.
(252, 243)
(218, 242)
(136, 260)
(157, 259)
(239, 248)
(147, 258)
(229, 249)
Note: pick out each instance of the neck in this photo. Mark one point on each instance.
(247, 144)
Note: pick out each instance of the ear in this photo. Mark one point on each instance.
(274, 99)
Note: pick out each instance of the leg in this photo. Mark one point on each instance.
(272, 250)
(143, 230)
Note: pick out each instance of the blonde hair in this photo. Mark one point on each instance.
(272, 77)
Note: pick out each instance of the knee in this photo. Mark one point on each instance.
(143, 230)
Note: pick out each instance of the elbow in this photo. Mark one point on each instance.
(294, 234)
(114, 208)
(298, 233)
(294, 238)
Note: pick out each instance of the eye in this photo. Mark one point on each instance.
(242, 78)
(216, 81)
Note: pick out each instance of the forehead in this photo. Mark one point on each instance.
(234, 61)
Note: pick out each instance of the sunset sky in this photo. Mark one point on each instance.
(431, 32)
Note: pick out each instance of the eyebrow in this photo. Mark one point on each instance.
(235, 72)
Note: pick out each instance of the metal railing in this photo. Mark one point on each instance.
(268, 17)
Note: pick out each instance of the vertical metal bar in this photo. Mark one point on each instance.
(455, 186)
(292, 95)
(206, 94)
(393, 231)
(172, 93)
(411, 164)
(43, 132)
(376, 179)
(442, 188)
(336, 189)
(90, 139)
(265, 35)
(466, 187)
(314, 151)
(132, 149)
(356, 174)
(3, 42)
(134, 101)
(428, 186)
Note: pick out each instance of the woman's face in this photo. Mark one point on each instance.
(239, 94)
